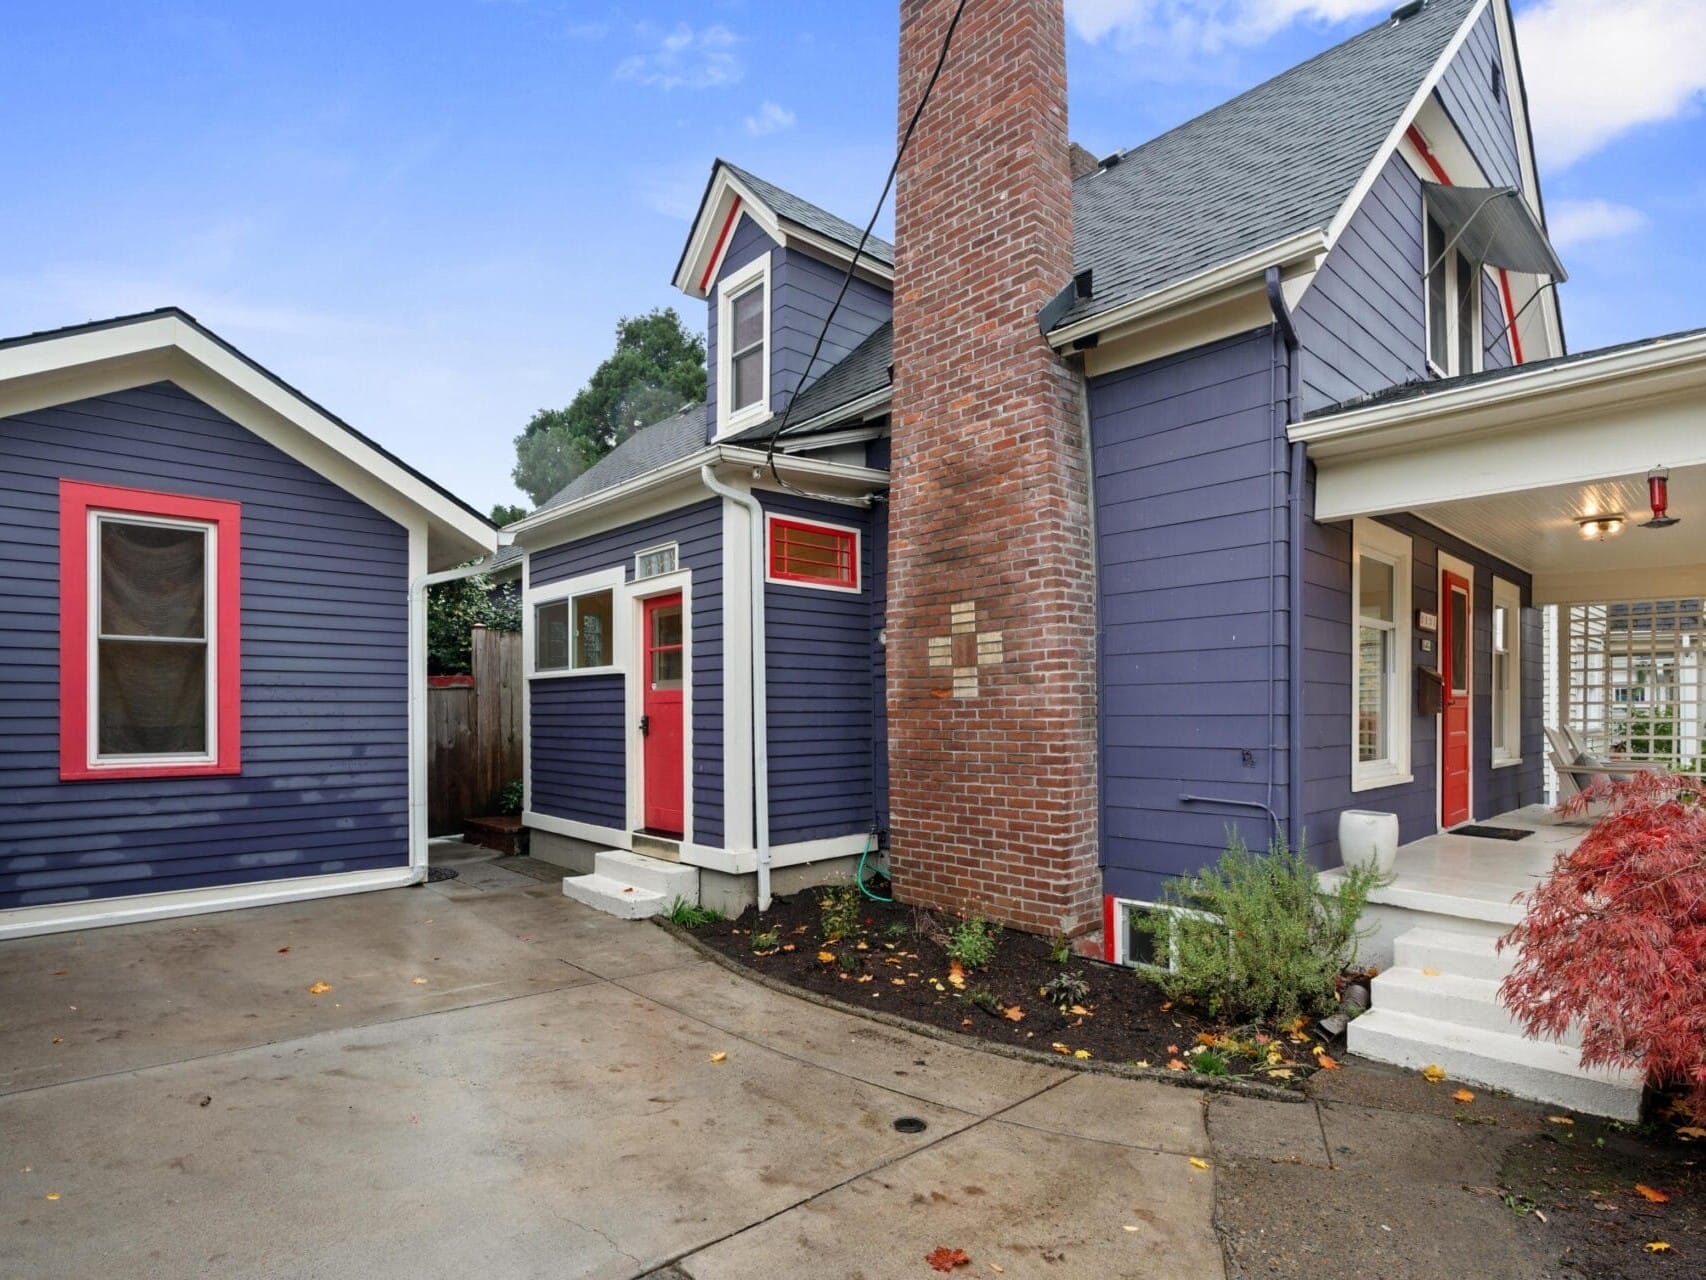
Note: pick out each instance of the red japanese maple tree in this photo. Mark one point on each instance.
(1615, 939)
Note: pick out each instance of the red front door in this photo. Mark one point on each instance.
(665, 662)
(1455, 633)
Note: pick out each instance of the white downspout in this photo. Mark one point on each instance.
(760, 704)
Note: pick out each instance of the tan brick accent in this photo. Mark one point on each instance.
(992, 748)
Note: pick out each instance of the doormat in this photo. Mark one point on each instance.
(1492, 833)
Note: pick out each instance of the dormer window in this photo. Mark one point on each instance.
(1454, 307)
(743, 346)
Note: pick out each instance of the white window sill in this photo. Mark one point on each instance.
(751, 416)
(1506, 762)
(1378, 779)
(578, 671)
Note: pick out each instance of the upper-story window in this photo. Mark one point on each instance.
(1454, 307)
(743, 346)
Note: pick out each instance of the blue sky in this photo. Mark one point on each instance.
(429, 215)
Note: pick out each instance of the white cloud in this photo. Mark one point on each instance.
(686, 59)
(1598, 68)
(1573, 222)
(1204, 26)
(772, 117)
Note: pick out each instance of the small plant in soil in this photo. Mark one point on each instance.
(838, 913)
(984, 1000)
(766, 942)
(1210, 1062)
(1060, 951)
(1066, 990)
(896, 931)
(690, 916)
(972, 942)
(850, 961)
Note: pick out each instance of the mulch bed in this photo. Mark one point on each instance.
(896, 963)
(1586, 1180)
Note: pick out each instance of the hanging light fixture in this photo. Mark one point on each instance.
(1600, 527)
(1658, 494)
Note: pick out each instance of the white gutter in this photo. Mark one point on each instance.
(1249, 270)
(760, 701)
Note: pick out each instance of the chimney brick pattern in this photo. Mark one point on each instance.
(991, 612)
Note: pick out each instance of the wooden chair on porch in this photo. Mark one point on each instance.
(1576, 769)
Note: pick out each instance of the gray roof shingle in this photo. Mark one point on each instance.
(864, 370)
(648, 448)
(1272, 163)
(791, 208)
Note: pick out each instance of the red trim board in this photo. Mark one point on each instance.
(722, 239)
(76, 500)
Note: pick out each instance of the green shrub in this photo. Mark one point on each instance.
(1060, 950)
(1255, 936)
(509, 799)
(690, 916)
(972, 942)
(838, 913)
(1065, 990)
(768, 940)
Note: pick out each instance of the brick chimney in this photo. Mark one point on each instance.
(991, 612)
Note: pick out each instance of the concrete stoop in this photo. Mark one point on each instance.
(632, 885)
(1439, 1004)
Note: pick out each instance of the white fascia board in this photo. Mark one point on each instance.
(864, 407)
(873, 269)
(1191, 294)
(168, 347)
(704, 251)
(1613, 380)
(1370, 175)
(837, 476)
(525, 529)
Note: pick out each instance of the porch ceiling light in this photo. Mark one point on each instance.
(1600, 527)
(1658, 494)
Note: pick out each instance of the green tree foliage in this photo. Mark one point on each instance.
(506, 513)
(454, 609)
(657, 367)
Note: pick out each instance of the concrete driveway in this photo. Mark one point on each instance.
(503, 1083)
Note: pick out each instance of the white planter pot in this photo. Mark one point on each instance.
(1368, 839)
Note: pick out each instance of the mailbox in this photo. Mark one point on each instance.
(1430, 691)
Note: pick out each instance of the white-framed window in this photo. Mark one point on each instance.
(743, 346)
(810, 553)
(1453, 305)
(1380, 656)
(654, 562)
(575, 628)
(1507, 673)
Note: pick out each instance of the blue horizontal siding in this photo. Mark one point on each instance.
(1466, 93)
(822, 660)
(579, 719)
(324, 781)
(1191, 585)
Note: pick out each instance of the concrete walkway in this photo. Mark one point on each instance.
(502, 1083)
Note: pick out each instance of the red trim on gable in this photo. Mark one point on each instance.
(846, 553)
(76, 500)
(1421, 145)
(722, 239)
(1108, 913)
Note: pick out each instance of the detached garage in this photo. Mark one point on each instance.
(212, 633)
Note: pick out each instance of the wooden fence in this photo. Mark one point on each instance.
(474, 728)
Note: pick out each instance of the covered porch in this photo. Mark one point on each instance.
(1549, 468)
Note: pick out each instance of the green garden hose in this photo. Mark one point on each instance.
(863, 854)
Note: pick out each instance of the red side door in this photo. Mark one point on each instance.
(1455, 633)
(664, 664)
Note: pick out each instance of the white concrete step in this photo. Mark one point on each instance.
(1449, 997)
(671, 879)
(1473, 955)
(1542, 1071)
(615, 898)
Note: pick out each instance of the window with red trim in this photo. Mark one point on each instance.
(817, 555)
(149, 655)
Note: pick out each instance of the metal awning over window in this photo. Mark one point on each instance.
(1493, 226)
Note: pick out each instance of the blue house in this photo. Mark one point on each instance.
(1226, 482)
(213, 691)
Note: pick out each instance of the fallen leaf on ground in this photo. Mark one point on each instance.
(719, 1056)
(826, 957)
(319, 988)
(54, 1195)
(1649, 1193)
(1175, 1064)
(1080, 1011)
(946, 1259)
(1197, 1162)
(1060, 1048)
(1128, 1227)
(1141, 1063)
(1560, 1119)
(1207, 1038)
(1463, 1095)
(799, 930)
(997, 1268)
(787, 946)
(1433, 1073)
(1280, 1073)
(1431, 973)
(1173, 1049)
(1080, 1053)
(59, 1039)
(419, 982)
(284, 951)
(1166, 1005)
(1326, 1063)
(1690, 1131)
(1013, 1013)
(957, 976)
(1652, 1246)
